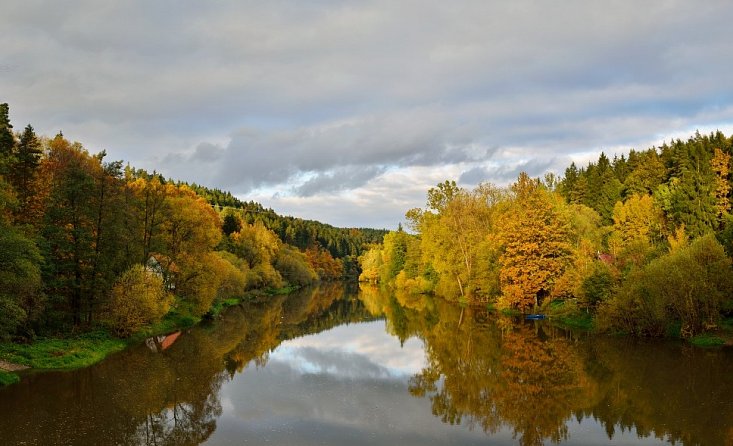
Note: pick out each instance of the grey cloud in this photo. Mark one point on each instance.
(340, 179)
(508, 173)
(342, 154)
(309, 90)
(206, 153)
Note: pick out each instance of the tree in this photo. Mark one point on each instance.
(24, 177)
(721, 190)
(231, 224)
(649, 172)
(536, 241)
(21, 296)
(258, 246)
(7, 140)
(294, 267)
(68, 227)
(137, 298)
(637, 220)
(455, 238)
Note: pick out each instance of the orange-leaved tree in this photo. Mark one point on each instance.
(536, 237)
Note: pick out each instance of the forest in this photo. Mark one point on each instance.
(89, 244)
(640, 244)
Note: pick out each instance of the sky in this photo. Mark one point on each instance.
(347, 112)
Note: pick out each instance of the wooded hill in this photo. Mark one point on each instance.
(85, 241)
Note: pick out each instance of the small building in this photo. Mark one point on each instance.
(164, 268)
(606, 258)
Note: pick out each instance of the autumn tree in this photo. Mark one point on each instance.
(323, 263)
(294, 266)
(536, 241)
(689, 285)
(455, 233)
(137, 298)
(638, 221)
(371, 264)
(189, 233)
(258, 246)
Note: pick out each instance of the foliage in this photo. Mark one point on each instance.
(7, 378)
(138, 298)
(537, 245)
(689, 285)
(324, 265)
(294, 266)
(21, 297)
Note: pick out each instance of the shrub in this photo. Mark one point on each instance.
(138, 298)
(690, 286)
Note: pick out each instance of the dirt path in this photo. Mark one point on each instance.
(10, 367)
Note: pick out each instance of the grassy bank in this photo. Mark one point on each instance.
(568, 315)
(63, 353)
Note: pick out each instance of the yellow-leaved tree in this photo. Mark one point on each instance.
(138, 298)
(456, 240)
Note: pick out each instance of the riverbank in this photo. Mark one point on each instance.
(83, 350)
(569, 316)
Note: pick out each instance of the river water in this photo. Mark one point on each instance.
(339, 366)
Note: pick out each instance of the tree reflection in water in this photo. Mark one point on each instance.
(167, 398)
(490, 371)
(487, 372)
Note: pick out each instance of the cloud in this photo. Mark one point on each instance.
(345, 178)
(314, 99)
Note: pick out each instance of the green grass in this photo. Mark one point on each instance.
(67, 353)
(7, 378)
(583, 321)
(222, 305)
(567, 314)
(171, 322)
(510, 312)
(706, 340)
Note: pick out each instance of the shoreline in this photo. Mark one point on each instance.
(92, 347)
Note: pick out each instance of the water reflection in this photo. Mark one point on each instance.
(326, 367)
(491, 372)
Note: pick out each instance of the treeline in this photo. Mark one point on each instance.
(340, 242)
(85, 241)
(643, 242)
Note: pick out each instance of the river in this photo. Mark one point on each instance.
(341, 366)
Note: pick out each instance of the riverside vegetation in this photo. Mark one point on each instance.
(639, 244)
(95, 255)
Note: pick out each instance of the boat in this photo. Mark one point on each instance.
(535, 317)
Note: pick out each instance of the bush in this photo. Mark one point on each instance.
(138, 298)
(8, 378)
(293, 266)
(690, 286)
